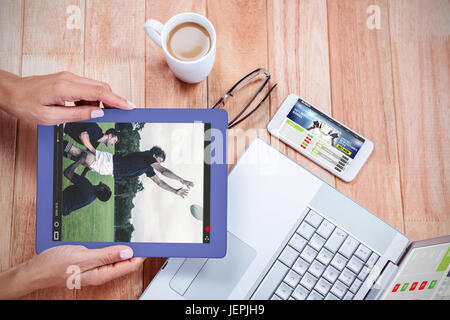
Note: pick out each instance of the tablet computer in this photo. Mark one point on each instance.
(153, 179)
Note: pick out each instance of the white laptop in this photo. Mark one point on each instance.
(293, 236)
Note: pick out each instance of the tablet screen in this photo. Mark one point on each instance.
(131, 182)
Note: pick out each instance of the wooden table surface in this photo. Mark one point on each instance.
(391, 84)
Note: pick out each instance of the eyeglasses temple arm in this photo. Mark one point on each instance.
(234, 122)
(251, 100)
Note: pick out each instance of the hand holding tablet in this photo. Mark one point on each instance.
(42, 99)
(68, 267)
(149, 168)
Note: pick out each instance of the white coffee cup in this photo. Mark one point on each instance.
(187, 71)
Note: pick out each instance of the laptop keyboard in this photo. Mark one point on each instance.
(320, 261)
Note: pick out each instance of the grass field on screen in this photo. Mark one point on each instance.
(94, 222)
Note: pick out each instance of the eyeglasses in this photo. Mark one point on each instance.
(252, 77)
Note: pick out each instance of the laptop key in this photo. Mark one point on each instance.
(271, 281)
(316, 269)
(288, 256)
(300, 293)
(339, 289)
(339, 262)
(363, 274)
(348, 296)
(308, 281)
(372, 260)
(308, 254)
(331, 274)
(334, 242)
(305, 230)
(275, 297)
(300, 266)
(284, 291)
(314, 296)
(324, 256)
(297, 242)
(356, 285)
(325, 229)
(322, 286)
(347, 277)
(292, 278)
(363, 252)
(331, 296)
(313, 218)
(348, 247)
(355, 264)
(317, 242)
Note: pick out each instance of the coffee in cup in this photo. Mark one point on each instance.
(188, 41)
(189, 44)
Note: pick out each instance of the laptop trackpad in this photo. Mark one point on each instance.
(216, 278)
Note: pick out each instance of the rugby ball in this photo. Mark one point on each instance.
(197, 211)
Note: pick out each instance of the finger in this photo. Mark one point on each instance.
(106, 273)
(67, 75)
(57, 115)
(107, 106)
(100, 257)
(73, 91)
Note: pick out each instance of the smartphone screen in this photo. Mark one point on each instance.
(321, 137)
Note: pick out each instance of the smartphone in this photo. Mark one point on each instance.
(320, 138)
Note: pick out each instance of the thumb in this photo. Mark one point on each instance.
(103, 274)
(105, 256)
(58, 115)
(103, 265)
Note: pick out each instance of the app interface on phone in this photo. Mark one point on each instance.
(132, 182)
(321, 137)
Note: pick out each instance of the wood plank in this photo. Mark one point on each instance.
(420, 35)
(48, 46)
(299, 62)
(163, 89)
(115, 47)
(115, 53)
(241, 29)
(362, 98)
(11, 24)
